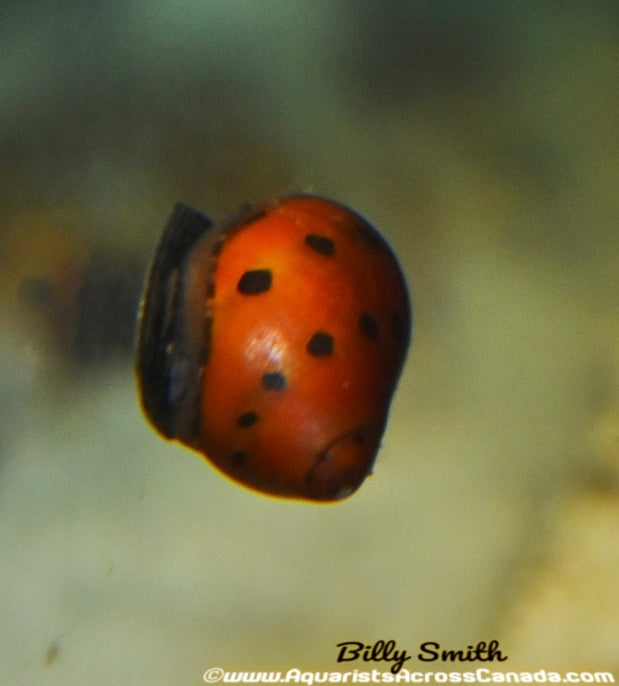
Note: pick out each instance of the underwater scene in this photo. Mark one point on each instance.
(364, 412)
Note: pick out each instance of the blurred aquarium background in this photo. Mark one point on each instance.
(481, 139)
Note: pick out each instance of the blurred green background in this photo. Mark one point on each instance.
(481, 139)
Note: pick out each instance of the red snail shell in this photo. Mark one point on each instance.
(273, 343)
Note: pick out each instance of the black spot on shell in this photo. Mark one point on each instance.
(368, 326)
(358, 436)
(255, 281)
(321, 244)
(320, 344)
(239, 458)
(370, 235)
(247, 419)
(274, 381)
(398, 326)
